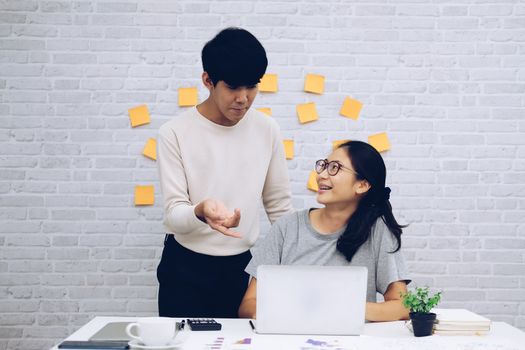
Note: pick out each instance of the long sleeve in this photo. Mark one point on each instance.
(277, 196)
(240, 166)
(179, 215)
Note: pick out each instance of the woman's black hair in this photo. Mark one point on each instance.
(234, 56)
(369, 165)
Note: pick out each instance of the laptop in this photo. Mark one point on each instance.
(323, 300)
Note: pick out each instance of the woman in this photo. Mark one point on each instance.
(355, 227)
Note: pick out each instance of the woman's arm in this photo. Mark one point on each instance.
(392, 308)
(249, 301)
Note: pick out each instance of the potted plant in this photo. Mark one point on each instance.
(420, 303)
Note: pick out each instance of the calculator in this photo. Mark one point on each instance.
(204, 324)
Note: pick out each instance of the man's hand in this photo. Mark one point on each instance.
(215, 214)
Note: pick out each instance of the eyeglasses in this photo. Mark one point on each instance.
(332, 167)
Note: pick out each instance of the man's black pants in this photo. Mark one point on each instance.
(199, 285)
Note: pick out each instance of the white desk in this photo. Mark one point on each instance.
(385, 335)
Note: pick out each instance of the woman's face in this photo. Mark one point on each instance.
(343, 187)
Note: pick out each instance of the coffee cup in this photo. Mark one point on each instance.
(153, 331)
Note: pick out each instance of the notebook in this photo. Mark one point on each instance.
(460, 320)
(112, 331)
(324, 300)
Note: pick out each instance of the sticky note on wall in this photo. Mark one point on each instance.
(379, 141)
(267, 111)
(288, 149)
(150, 149)
(312, 182)
(144, 195)
(337, 143)
(188, 97)
(307, 112)
(268, 83)
(314, 83)
(351, 108)
(139, 115)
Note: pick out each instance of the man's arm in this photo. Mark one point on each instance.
(181, 215)
(277, 196)
(179, 211)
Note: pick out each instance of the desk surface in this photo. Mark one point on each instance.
(383, 335)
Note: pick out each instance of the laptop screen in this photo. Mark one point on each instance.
(327, 300)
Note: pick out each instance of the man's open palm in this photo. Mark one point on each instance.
(220, 218)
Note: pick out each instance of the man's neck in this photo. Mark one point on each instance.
(210, 111)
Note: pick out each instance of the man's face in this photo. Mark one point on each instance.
(232, 103)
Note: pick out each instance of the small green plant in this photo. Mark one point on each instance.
(419, 300)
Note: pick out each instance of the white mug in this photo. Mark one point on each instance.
(153, 331)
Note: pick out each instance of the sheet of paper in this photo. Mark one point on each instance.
(217, 344)
(289, 148)
(150, 149)
(351, 108)
(379, 141)
(337, 143)
(314, 83)
(144, 195)
(241, 344)
(307, 112)
(139, 115)
(312, 182)
(188, 97)
(265, 110)
(313, 344)
(437, 343)
(268, 83)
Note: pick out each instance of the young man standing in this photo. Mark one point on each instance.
(216, 163)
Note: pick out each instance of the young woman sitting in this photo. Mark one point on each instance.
(355, 227)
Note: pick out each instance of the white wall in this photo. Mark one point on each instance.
(445, 79)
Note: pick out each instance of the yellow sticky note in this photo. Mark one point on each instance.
(288, 148)
(379, 141)
(139, 115)
(307, 112)
(314, 83)
(337, 143)
(267, 111)
(188, 97)
(150, 150)
(312, 182)
(351, 108)
(144, 195)
(268, 83)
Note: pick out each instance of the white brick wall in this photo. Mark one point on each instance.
(445, 79)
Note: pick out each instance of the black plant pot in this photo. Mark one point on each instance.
(422, 323)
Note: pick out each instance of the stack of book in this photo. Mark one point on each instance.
(460, 322)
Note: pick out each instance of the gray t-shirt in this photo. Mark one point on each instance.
(293, 241)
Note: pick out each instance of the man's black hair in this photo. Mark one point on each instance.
(236, 57)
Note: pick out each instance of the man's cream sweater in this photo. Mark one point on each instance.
(238, 165)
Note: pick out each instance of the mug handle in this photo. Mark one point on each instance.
(128, 331)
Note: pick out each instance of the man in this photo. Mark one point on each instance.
(216, 163)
